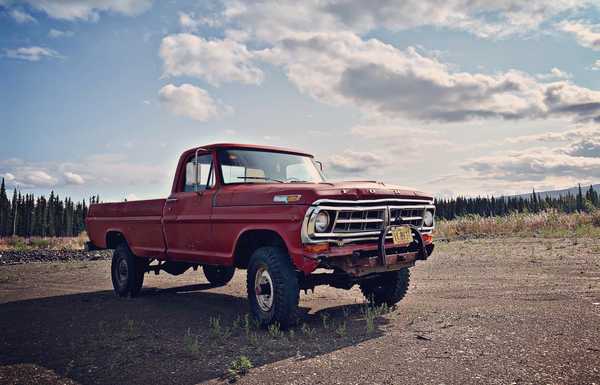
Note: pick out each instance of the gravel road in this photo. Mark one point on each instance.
(488, 311)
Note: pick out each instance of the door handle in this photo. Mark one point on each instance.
(169, 200)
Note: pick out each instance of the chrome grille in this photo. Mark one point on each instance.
(363, 220)
(406, 216)
(358, 220)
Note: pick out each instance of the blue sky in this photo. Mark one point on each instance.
(101, 96)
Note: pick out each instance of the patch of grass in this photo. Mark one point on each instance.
(214, 324)
(190, 343)
(274, 331)
(132, 330)
(547, 224)
(341, 329)
(237, 322)
(307, 330)
(324, 319)
(238, 367)
(43, 243)
(247, 324)
(253, 339)
(371, 313)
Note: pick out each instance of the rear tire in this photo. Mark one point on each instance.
(127, 272)
(273, 291)
(218, 275)
(388, 288)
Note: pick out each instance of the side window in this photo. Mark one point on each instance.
(205, 171)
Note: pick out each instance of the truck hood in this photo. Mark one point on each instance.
(262, 194)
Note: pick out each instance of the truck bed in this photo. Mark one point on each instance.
(139, 221)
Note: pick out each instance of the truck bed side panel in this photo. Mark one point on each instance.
(140, 222)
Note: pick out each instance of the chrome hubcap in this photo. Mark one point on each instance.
(122, 272)
(263, 287)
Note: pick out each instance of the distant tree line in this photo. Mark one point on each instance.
(534, 203)
(26, 215)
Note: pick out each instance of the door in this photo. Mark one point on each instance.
(188, 210)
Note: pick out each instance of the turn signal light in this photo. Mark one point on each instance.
(427, 238)
(316, 248)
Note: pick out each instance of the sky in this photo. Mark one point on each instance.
(456, 97)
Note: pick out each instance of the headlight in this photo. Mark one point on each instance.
(428, 219)
(322, 221)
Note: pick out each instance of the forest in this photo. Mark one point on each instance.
(25, 215)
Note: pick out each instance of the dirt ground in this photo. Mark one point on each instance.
(484, 311)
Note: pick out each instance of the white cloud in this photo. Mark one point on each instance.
(31, 53)
(274, 19)
(8, 177)
(132, 197)
(187, 22)
(21, 17)
(56, 33)
(534, 165)
(554, 73)
(578, 132)
(216, 61)
(323, 58)
(587, 35)
(87, 9)
(189, 101)
(39, 178)
(92, 171)
(354, 162)
(72, 178)
(596, 65)
(577, 159)
(190, 23)
(342, 68)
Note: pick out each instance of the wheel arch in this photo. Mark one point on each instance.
(252, 239)
(114, 238)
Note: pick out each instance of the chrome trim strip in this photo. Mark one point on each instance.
(359, 221)
(319, 201)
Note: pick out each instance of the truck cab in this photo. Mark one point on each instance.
(272, 212)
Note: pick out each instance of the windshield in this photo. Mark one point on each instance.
(255, 166)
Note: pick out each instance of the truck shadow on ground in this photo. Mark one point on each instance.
(179, 335)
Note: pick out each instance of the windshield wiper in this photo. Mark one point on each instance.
(260, 178)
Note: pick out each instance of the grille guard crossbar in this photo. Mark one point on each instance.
(416, 237)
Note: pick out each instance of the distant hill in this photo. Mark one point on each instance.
(557, 193)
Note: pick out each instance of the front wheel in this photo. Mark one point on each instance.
(218, 275)
(388, 288)
(273, 291)
(127, 272)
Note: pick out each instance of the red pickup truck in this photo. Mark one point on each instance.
(271, 212)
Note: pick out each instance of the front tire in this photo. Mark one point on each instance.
(273, 291)
(218, 275)
(388, 288)
(127, 272)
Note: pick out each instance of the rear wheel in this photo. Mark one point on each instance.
(218, 275)
(127, 272)
(273, 291)
(388, 288)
